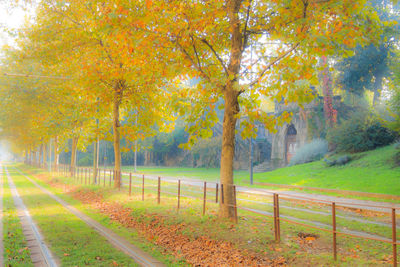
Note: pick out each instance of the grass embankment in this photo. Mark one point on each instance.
(372, 171)
(69, 238)
(16, 252)
(252, 233)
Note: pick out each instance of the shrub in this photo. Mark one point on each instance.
(339, 161)
(315, 150)
(359, 133)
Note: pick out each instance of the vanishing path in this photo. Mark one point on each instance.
(40, 253)
(117, 241)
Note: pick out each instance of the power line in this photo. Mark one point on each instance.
(35, 76)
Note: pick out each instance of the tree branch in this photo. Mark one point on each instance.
(216, 55)
(276, 60)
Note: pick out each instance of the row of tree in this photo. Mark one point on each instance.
(83, 67)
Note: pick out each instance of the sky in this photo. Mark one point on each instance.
(11, 18)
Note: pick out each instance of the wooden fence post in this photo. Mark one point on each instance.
(143, 188)
(216, 193)
(159, 190)
(394, 237)
(222, 193)
(130, 183)
(204, 198)
(334, 230)
(119, 177)
(235, 203)
(276, 218)
(179, 194)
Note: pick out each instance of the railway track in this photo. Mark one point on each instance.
(40, 253)
(117, 241)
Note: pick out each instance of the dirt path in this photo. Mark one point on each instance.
(40, 253)
(134, 252)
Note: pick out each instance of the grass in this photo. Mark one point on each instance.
(15, 249)
(371, 171)
(130, 235)
(253, 232)
(70, 239)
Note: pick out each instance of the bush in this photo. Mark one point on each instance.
(315, 150)
(359, 133)
(339, 161)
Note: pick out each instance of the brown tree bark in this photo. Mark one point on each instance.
(329, 111)
(231, 95)
(118, 90)
(75, 140)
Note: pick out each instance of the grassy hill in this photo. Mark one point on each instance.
(371, 171)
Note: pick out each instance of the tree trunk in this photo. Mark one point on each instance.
(44, 155)
(73, 154)
(56, 155)
(329, 111)
(228, 152)
(95, 159)
(40, 156)
(231, 110)
(116, 130)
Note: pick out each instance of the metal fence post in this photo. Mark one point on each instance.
(204, 197)
(394, 237)
(334, 230)
(159, 190)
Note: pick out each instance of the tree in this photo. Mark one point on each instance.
(369, 65)
(211, 40)
(91, 44)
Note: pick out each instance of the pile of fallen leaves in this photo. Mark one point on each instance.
(202, 250)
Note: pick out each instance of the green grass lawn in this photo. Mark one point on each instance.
(372, 171)
(69, 238)
(129, 234)
(253, 232)
(15, 249)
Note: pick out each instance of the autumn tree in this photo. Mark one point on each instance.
(212, 41)
(106, 58)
